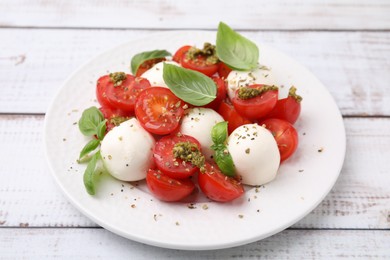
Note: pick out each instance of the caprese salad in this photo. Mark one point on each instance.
(210, 117)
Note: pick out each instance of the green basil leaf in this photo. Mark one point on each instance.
(140, 58)
(89, 174)
(235, 50)
(88, 148)
(219, 132)
(101, 129)
(224, 161)
(191, 86)
(89, 121)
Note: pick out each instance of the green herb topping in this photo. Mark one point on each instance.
(118, 120)
(293, 93)
(208, 52)
(189, 152)
(248, 93)
(117, 78)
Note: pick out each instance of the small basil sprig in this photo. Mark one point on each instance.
(93, 169)
(140, 58)
(90, 120)
(88, 148)
(191, 86)
(222, 157)
(91, 123)
(235, 50)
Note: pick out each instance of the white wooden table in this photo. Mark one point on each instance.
(345, 43)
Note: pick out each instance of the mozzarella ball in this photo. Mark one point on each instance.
(198, 123)
(255, 154)
(238, 79)
(127, 151)
(155, 74)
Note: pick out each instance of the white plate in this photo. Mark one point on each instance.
(130, 211)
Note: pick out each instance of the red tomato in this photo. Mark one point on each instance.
(124, 95)
(288, 108)
(217, 186)
(101, 89)
(168, 189)
(180, 53)
(199, 63)
(114, 116)
(228, 113)
(223, 70)
(167, 163)
(256, 107)
(285, 135)
(146, 65)
(221, 93)
(158, 110)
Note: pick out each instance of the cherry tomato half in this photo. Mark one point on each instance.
(229, 113)
(288, 108)
(101, 91)
(146, 65)
(123, 96)
(256, 107)
(167, 163)
(221, 93)
(285, 135)
(158, 110)
(180, 53)
(168, 189)
(217, 186)
(200, 62)
(223, 70)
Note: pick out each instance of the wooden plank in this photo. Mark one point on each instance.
(98, 243)
(353, 65)
(201, 14)
(29, 196)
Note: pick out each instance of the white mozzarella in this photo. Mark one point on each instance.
(127, 151)
(198, 123)
(155, 74)
(255, 154)
(238, 79)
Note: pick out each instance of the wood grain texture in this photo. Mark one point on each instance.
(353, 65)
(101, 244)
(30, 197)
(201, 14)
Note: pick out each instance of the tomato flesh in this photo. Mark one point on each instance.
(285, 135)
(165, 160)
(124, 95)
(256, 107)
(217, 186)
(168, 189)
(101, 91)
(146, 65)
(221, 93)
(229, 113)
(199, 64)
(287, 109)
(223, 70)
(158, 110)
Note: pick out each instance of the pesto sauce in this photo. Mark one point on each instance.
(117, 78)
(208, 52)
(189, 152)
(248, 93)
